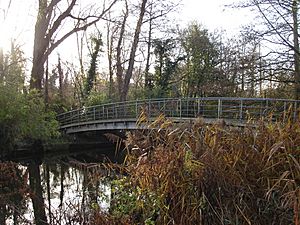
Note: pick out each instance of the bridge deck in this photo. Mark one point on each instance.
(124, 115)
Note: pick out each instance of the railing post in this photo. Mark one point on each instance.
(195, 104)
(284, 110)
(71, 118)
(261, 112)
(103, 112)
(198, 109)
(94, 113)
(149, 108)
(187, 107)
(219, 108)
(180, 108)
(241, 110)
(295, 111)
(136, 109)
(267, 107)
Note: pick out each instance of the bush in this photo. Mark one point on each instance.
(24, 117)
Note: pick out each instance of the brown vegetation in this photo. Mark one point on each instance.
(13, 192)
(199, 174)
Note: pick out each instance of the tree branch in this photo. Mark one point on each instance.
(58, 21)
(274, 28)
(76, 29)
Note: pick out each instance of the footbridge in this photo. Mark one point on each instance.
(124, 115)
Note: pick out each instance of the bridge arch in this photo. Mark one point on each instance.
(124, 115)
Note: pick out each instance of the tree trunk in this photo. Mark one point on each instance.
(39, 47)
(62, 189)
(119, 63)
(60, 79)
(147, 68)
(47, 85)
(37, 72)
(110, 44)
(91, 75)
(48, 192)
(134, 46)
(296, 49)
(37, 194)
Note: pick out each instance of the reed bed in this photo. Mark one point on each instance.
(195, 173)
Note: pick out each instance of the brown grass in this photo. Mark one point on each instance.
(217, 174)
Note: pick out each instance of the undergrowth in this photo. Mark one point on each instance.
(196, 173)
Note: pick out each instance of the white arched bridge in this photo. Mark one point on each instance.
(124, 115)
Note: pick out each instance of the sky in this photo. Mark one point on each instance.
(18, 22)
(214, 14)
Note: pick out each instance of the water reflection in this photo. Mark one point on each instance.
(61, 189)
(73, 189)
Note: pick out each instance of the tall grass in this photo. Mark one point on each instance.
(195, 173)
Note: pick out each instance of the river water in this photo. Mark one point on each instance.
(72, 184)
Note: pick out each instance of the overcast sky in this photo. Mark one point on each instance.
(19, 23)
(214, 15)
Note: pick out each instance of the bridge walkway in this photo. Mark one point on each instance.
(124, 115)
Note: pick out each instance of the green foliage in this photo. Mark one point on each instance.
(91, 76)
(97, 98)
(60, 105)
(39, 123)
(135, 205)
(155, 92)
(202, 57)
(166, 65)
(24, 116)
(14, 69)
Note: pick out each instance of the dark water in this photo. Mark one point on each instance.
(60, 187)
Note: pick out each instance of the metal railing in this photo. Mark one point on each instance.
(237, 109)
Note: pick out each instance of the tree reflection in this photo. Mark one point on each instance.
(37, 194)
(60, 191)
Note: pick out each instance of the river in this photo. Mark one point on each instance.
(59, 188)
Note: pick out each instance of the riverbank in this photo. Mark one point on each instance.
(189, 174)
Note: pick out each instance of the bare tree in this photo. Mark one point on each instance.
(278, 29)
(127, 46)
(156, 17)
(110, 47)
(119, 63)
(47, 26)
(134, 46)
